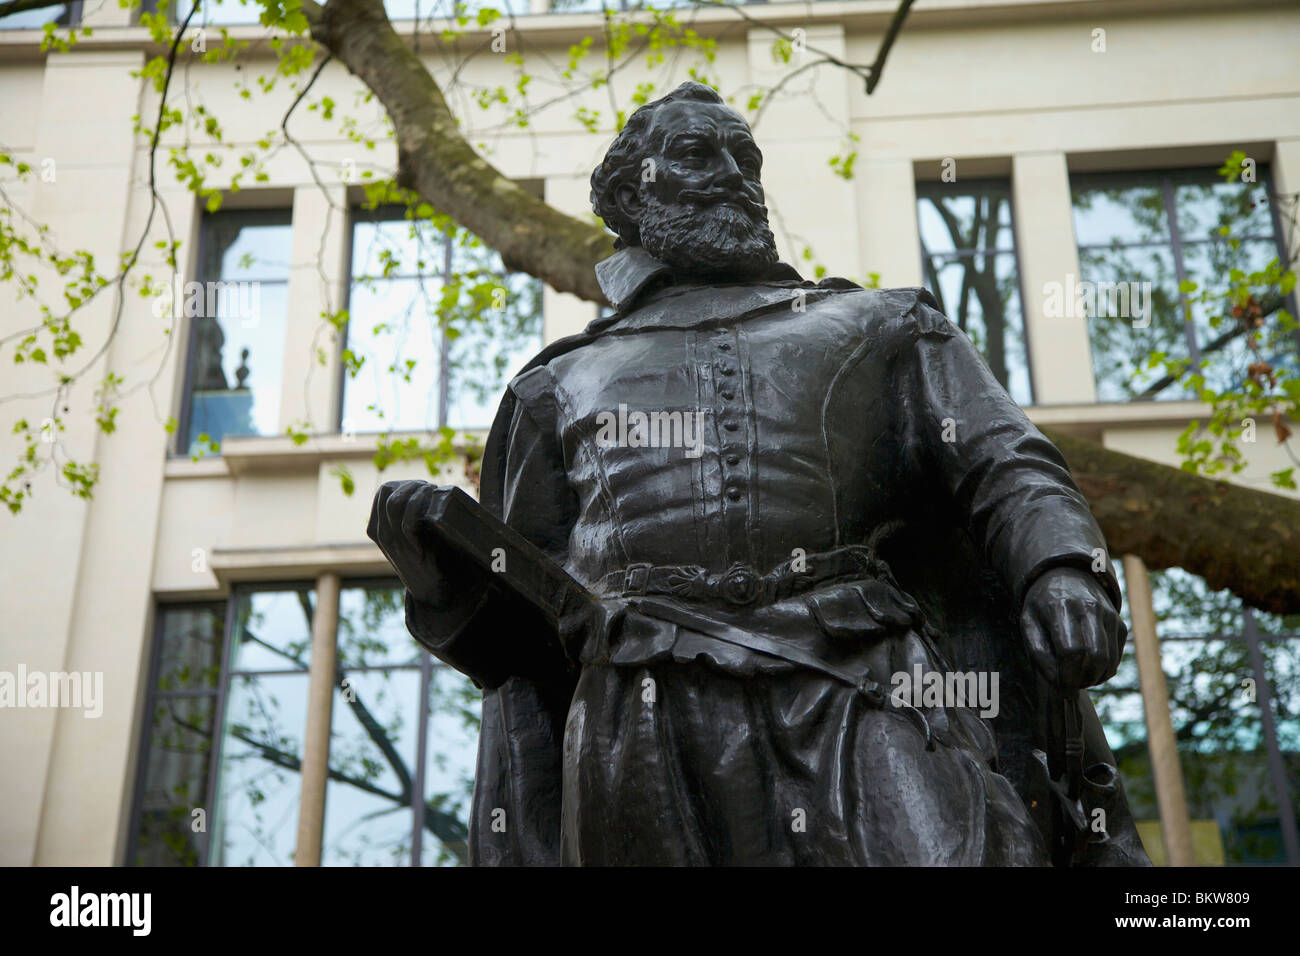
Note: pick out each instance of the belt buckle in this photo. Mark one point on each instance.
(635, 578)
(739, 586)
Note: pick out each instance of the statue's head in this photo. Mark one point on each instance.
(682, 181)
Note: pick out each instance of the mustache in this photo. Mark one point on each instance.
(713, 197)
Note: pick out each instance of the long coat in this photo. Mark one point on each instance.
(819, 420)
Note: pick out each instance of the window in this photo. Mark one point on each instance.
(968, 250)
(237, 306)
(176, 757)
(403, 742)
(1142, 234)
(618, 6)
(221, 13)
(423, 353)
(425, 10)
(1216, 683)
(404, 731)
(61, 15)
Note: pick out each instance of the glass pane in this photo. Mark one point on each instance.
(1131, 299)
(399, 309)
(1209, 203)
(1106, 214)
(989, 312)
(1216, 718)
(396, 339)
(189, 654)
(390, 248)
(1209, 264)
(455, 708)
(219, 12)
(237, 309)
(259, 786)
(953, 217)
(175, 782)
(574, 6)
(1282, 666)
(242, 359)
(373, 741)
(425, 9)
(372, 628)
(504, 333)
(250, 245)
(36, 19)
(272, 630)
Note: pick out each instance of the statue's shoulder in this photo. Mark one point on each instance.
(534, 383)
(910, 312)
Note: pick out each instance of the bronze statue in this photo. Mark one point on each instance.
(768, 544)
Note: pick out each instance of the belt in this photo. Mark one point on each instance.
(861, 681)
(741, 584)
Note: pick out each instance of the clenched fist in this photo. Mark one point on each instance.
(1075, 635)
(395, 519)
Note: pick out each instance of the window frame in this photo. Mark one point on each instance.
(395, 212)
(1167, 179)
(425, 665)
(268, 216)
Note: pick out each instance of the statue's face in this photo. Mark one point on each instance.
(699, 204)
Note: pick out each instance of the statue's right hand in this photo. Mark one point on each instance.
(394, 525)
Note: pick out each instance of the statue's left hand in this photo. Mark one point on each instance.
(1075, 635)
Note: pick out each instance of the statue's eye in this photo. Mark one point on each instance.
(696, 152)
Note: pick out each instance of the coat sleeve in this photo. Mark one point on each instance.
(965, 436)
(486, 635)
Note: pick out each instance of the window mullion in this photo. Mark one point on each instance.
(444, 344)
(1176, 240)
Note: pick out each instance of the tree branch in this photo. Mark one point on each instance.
(435, 160)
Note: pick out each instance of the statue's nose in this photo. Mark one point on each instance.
(728, 174)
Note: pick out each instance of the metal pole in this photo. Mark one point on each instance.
(316, 737)
(1175, 824)
(1276, 769)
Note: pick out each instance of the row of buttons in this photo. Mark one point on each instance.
(729, 416)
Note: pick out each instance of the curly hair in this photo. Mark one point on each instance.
(622, 163)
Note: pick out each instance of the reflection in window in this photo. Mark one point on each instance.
(237, 308)
(968, 249)
(386, 804)
(61, 15)
(596, 6)
(213, 13)
(179, 723)
(1148, 233)
(1218, 724)
(425, 10)
(255, 822)
(423, 353)
(403, 737)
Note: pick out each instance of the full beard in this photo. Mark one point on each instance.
(714, 240)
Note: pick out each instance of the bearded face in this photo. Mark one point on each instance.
(701, 211)
(710, 237)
